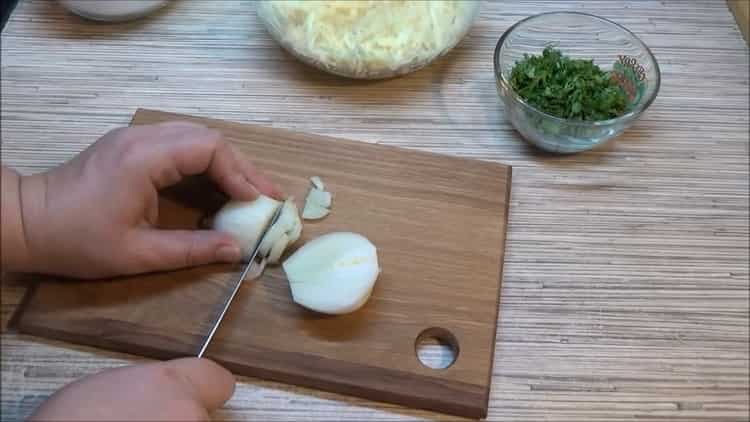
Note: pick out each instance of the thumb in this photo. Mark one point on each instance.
(174, 249)
(179, 390)
(210, 384)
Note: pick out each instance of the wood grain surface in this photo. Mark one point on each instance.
(439, 224)
(625, 290)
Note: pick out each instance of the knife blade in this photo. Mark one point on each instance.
(238, 282)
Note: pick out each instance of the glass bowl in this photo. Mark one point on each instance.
(580, 36)
(370, 39)
(112, 10)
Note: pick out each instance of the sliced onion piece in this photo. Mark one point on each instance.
(334, 273)
(287, 225)
(315, 180)
(313, 211)
(319, 197)
(289, 216)
(296, 232)
(246, 220)
(278, 249)
(270, 239)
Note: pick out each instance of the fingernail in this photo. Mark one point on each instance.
(229, 254)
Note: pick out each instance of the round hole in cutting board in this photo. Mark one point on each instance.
(436, 348)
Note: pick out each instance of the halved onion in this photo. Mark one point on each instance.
(274, 234)
(289, 216)
(278, 249)
(246, 220)
(334, 273)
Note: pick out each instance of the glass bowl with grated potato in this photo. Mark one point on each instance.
(368, 39)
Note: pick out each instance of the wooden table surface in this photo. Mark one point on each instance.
(625, 293)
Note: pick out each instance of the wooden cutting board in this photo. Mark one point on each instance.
(439, 225)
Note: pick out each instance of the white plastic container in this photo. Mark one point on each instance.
(113, 10)
(368, 39)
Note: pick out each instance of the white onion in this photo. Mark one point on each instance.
(317, 182)
(289, 217)
(278, 249)
(319, 197)
(318, 201)
(272, 236)
(334, 273)
(296, 232)
(313, 211)
(246, 220)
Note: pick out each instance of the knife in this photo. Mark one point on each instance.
(238, 282)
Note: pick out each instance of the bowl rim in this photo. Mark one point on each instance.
(627, 116)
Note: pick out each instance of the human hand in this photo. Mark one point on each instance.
(95, 215)
(179, 390)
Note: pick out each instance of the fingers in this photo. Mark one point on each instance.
(162, 250)
(211, 384)
(231, 165)
(226, 171)
(257, 179)
(183, 389)
(186, 148)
